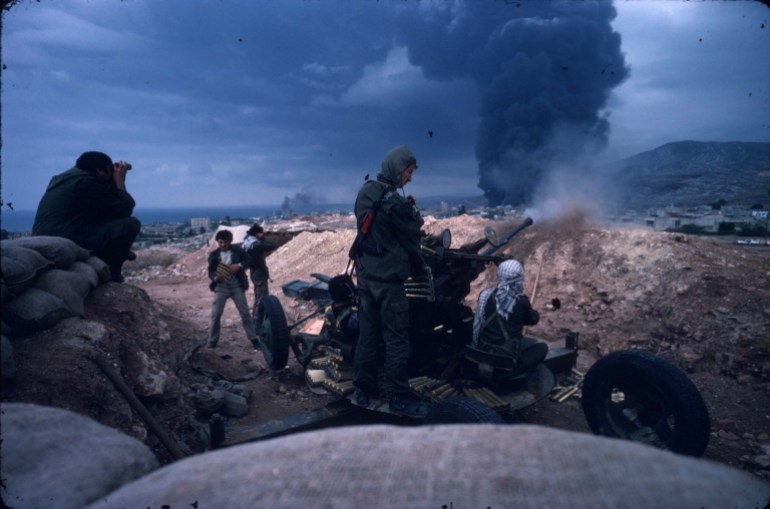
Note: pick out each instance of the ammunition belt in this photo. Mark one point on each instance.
(439, 390)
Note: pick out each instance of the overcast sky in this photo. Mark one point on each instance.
(240, 102)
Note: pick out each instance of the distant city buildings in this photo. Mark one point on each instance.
(200, 224)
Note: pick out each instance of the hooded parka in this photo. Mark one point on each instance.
(391, 249)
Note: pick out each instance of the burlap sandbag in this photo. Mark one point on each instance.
(460, 466)
(57, 459)
(101, 268)
(34, 310)
(87, 272)
(20, 266)
(69, 286)
(8, 362)
(62, 252)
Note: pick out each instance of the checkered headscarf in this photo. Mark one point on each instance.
(510, 285)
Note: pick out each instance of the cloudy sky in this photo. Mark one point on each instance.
(236, 102)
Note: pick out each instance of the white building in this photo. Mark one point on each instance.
(200, 224)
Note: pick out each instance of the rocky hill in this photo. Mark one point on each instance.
(700, 303)
(695, 173)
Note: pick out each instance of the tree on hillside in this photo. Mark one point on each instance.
(726, 227)
(717, 205)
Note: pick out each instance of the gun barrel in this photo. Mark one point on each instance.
(491, 249)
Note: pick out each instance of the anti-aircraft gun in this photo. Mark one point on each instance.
(440, 323)
(630, 394)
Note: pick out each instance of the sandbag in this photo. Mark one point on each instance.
(58, 459)
(461, 466)
(62, 252)
(69, 286)
(35, 310)
(8, 362)
(87, 272)
(101, 268)
(20, 266)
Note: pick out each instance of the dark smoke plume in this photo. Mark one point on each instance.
(304, 198)
(545, 69)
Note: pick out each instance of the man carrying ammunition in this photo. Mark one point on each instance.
(387, 252)
(227, 273)
(89, 205)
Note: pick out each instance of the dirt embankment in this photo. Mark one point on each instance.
(698, 302)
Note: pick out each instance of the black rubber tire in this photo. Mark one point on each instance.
(663, 399)
(462, 410)
(275, 333)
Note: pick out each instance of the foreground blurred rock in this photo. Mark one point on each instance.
(56, 459)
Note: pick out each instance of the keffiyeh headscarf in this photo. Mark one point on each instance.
(510, 286)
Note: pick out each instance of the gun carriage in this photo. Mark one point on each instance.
(629, 394)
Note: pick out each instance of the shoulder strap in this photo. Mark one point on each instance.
(493, 314)
(363, 225)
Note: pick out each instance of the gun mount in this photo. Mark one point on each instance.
(656, 406)
(438, 315)
(453, 270)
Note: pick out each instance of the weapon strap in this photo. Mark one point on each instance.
(359, 236)
(515, 345)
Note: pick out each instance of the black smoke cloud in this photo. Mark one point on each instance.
(545, 70)
(301, 199)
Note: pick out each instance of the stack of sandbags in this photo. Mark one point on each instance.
(460, 466)
(55, 458)
(45, 280)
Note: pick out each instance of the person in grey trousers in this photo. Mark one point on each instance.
(227, 272)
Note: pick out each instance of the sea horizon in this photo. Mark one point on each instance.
(20, 220)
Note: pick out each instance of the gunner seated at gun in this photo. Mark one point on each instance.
(501, 315)
(341, 316)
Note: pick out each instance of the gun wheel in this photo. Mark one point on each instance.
(270, 321)
(638, 396)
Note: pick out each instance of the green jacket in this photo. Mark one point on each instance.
(391, 251)
(76, 201)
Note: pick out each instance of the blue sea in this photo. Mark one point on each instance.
(22, 220)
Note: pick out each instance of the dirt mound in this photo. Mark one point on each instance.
(700, 303)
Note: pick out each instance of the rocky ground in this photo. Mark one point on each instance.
(701, 303)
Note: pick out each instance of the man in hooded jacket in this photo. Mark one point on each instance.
(388, 254)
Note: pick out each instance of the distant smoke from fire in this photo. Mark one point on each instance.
(303, 198)
(545, 70)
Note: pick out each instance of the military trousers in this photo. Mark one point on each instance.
(261, 288)
(111, 241)
(383, 314)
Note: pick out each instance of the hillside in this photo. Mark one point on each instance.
(695, 173)
(699, 303)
